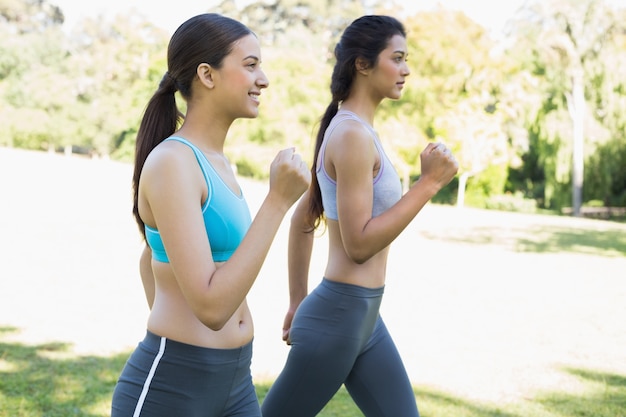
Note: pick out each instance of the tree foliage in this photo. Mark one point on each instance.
(571, 47)
(503, 105)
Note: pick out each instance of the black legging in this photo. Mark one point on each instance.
(338, 337)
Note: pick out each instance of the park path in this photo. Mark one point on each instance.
(482, 305)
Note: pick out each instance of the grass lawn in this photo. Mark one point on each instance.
(49, 380)
(494, 314)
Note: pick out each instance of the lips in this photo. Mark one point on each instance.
(254, 96)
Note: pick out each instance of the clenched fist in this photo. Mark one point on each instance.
(289, 175)
(438, 164)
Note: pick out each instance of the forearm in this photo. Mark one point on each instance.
(231, 282)
(147, 276)
(381, 231)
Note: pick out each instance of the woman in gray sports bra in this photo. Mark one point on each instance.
(203, 250)
(336, 333)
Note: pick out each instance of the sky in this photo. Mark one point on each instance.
(492, 14)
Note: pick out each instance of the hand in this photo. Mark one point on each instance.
(289, 175)
(287, 326)
(438, 164)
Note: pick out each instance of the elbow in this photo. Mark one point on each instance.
(214, 320)
(216, 326)
(298, 221)
(359, 255)
(360, 260)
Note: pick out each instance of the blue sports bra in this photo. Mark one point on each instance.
(226, 215)
(387, 185)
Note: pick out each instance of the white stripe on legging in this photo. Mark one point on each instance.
(146, 385)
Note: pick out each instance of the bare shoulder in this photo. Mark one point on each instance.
(167, 156)
(350, 130)
(170, 164)
(351, 139)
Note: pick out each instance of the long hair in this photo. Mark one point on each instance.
(206, 38)
(364, 38)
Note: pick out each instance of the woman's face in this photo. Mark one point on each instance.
(242, 78)
(391, 69)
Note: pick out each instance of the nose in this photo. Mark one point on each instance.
(262, 81)
(407, 70)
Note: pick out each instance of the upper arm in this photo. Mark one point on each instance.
(353, 156)
(174, 194)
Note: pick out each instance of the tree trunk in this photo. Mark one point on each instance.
(577, 113)
(460, 200)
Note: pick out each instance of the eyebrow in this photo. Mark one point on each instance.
(256, 58)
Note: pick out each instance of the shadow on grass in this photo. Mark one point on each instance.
(541, 239)
(431, 404)
(604, 396)
(49, 380)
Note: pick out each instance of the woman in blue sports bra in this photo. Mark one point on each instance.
(336, 333)
(203, 250)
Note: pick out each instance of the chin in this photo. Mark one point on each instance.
(251, 114)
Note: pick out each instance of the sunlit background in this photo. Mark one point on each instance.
(490, 13)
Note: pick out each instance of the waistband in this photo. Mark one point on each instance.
(351, 289)
(198, 352)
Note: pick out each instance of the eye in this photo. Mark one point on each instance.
(251, 64)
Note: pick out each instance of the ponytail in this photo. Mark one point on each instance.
(160, 120)
(315, 210)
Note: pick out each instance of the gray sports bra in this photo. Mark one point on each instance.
(387, 186)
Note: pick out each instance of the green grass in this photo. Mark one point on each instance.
(48, 380)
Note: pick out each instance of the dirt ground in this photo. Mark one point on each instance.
(487, 306)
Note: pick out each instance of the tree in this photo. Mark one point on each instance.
(464, 93)
(28, 16)
(565, 39)
(111, 62)
(273, 19)
(31, 51)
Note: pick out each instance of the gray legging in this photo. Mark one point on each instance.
(338, 337)
(165, 378)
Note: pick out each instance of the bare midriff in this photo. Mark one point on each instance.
(172, 317)
(341, 268)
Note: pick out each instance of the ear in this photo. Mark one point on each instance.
(362, 65)
(206, 75)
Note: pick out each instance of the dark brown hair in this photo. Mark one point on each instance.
(364, 38)
(206, 38)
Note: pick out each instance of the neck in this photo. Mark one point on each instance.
(206, 132)
(361, 109)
